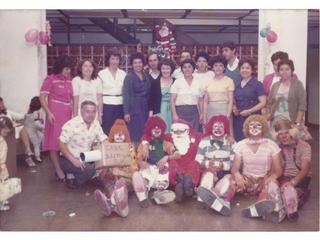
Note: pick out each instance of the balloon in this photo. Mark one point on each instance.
(43, 38)
(272, 37)
(264, 32)
(31, 35)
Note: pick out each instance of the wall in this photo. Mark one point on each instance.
(292, 40)
(23, 66)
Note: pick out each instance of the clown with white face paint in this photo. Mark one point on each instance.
(153, 173)
(116, 180)
(255, 170)
(215, 156)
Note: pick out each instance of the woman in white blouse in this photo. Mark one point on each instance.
(185, 96)
(86, 86)
(112, 81)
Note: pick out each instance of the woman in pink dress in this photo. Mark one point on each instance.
(56, 99)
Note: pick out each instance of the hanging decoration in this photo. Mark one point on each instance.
(33, 36)
(267, 33)
(166, 43)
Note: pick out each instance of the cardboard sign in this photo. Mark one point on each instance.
(115, 154)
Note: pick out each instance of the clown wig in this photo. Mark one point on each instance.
(219, 118)
(151, 124)
(119, 126)
(256, 118)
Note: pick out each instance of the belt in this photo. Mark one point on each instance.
(58, 101)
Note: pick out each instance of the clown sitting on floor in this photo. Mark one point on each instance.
(214, 154)
(154, 164)
(117, 180)
(255, 170)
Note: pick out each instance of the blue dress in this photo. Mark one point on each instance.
(245, 98)
(135, 103)
(165, 112)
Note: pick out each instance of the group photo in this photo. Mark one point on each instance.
(159, 120)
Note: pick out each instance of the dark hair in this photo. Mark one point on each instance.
(218, 59)
(87, 102)
(279, 55)
(137, 55)
(3, 111)
(203, 55)
(190, 61)
(186, 52)
(112, 52)
(251, 63)
(1, 100)
(5, 122)
(167, 62)
(94, 74)
(34, 105)
(60, 63)
(229, 44)
(288, 62)
(153, 53)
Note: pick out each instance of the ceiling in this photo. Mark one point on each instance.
(124, 24)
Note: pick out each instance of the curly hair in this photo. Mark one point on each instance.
(137, 55)
(61, 62)
(112, 52)
(34, 105)
(257, 118)
(202, 54)
(188, 61)
(94, 74)
(166, 62)
(218, 59)
(152, 123)
(286, 62)
(219, 118)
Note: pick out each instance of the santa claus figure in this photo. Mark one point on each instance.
(184, 172)
(165, 39)
(215, 155)
(116, 180)
(153, 164)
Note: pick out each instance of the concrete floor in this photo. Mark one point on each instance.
(41, 192)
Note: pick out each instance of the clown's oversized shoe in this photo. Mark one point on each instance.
(290, 200)
(102, 202)
(120, 195)
(259, 209)
(211, 199)
(163, 196)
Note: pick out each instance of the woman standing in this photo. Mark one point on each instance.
(136, 91)
(288, 98)
(185, 96)
(86, 86)
(159, 101)
(112, 78)
(248, 96)
(56, 100)
(218, 99)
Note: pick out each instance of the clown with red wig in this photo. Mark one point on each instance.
(215, 153)
(153, 156)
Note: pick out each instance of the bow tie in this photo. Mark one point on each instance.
(291, 145)
(218, 142)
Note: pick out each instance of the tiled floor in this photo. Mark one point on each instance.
(41, 192)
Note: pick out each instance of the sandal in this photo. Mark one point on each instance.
(30, 161)
(59, 179)
(39, 160)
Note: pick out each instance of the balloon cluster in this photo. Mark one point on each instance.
(269, 34)
(34, 36)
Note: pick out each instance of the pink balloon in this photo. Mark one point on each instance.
(43, 38)
(272, 37)
(31, 35)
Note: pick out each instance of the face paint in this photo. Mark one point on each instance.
(156, 132)
(218, 129)
(255, 128)
(119, 137)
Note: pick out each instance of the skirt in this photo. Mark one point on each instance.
(110, 114)
(190, 114)
(217, 108)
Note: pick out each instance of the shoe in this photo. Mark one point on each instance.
(59, 179)
(188, 186)
(102, 202)
(278, 216)
(212, 200)
(120, 194)
(39, 160)
(259, 209)
(179, 191)
(29, 161)
(71, 183)
(4, 207)
(140, 189)
(163, 196)
(293, 217)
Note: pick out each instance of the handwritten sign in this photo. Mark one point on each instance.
(115, 154)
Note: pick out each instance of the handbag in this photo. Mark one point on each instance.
(9, 187)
